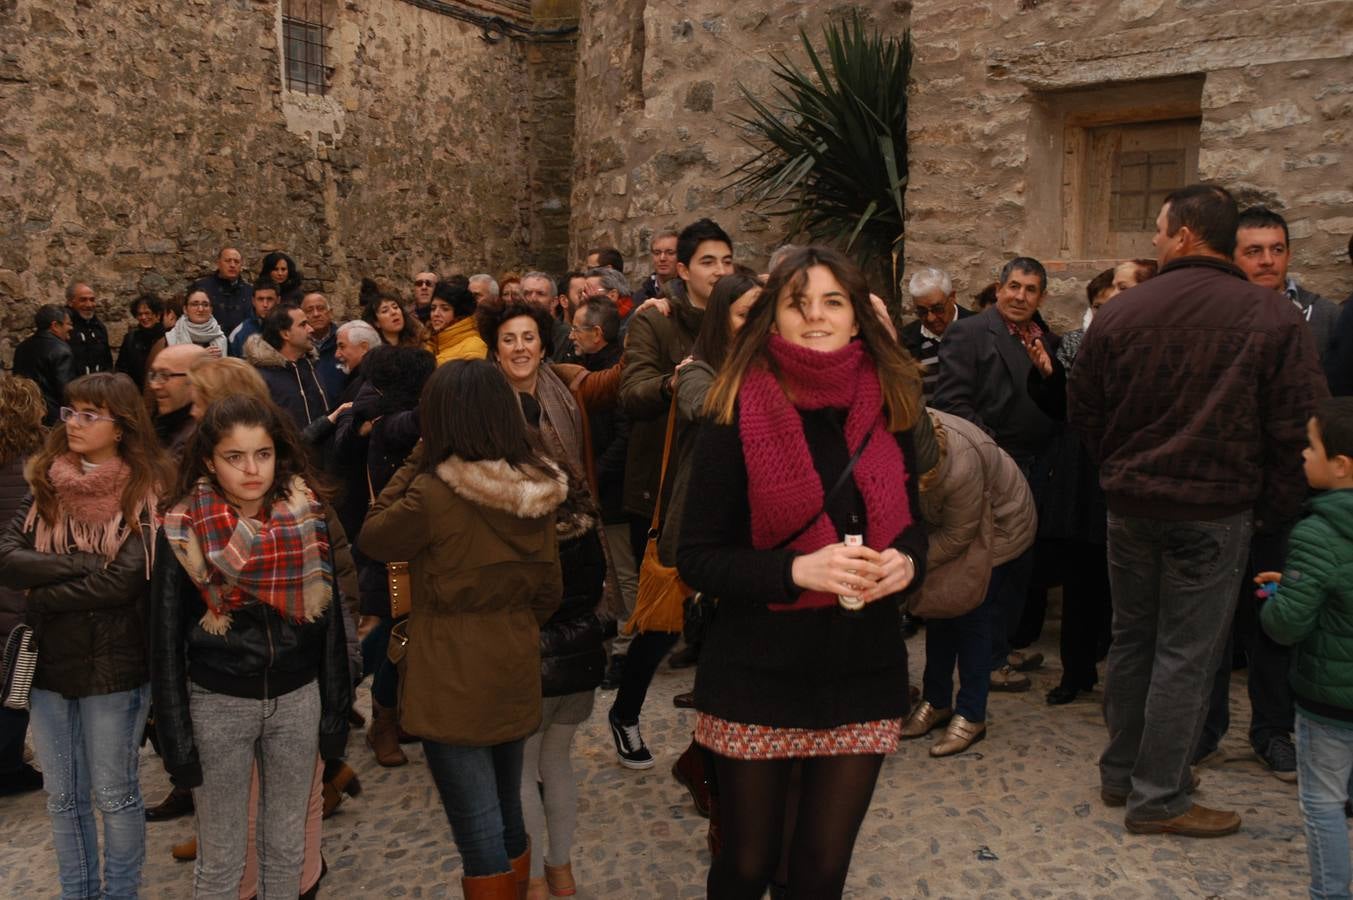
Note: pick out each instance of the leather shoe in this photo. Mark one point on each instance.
(684, 658)
(186, 851)
(178, 802)
(924, 719)
(689, 771)
(959, 736)
(1061, 695)
(684, 701)
(1024, 662)
(1007, 679)
(1197, 821)
(1112, 797)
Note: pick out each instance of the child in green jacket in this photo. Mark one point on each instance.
(1311, 607)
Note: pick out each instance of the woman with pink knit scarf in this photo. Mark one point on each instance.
(809, 441)
(82, 549)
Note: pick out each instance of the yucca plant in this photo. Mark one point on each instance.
(832, 144)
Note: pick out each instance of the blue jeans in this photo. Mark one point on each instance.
(964, 639)
(376, 663)
(1174, 589)
(480, 789)
(89, 747)
(1324, 763)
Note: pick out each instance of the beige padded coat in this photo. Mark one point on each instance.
(980, 513)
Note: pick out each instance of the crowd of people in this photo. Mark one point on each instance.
(495, 496)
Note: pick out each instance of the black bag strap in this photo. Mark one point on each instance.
(831, 494)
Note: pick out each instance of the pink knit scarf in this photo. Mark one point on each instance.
(90, 505)
(783, 488)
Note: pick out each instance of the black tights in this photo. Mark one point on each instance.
(834, 796)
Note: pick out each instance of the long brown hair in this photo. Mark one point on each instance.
(21, 409)
(138, 447)
(244, 410)
(898, 374)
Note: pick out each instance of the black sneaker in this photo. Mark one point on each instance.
(629, 744)
(1281, 758)
(611, 680)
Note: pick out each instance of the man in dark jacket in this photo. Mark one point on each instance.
(263, 302)
(983, 376)
(285, 357)
(324, 337)
(89, 336)
(1192, 393)
(231, 296)
(44, 357)
(935, 303)
(663, 247)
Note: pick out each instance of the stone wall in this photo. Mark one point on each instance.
(139, 136)
(657, 89)
(987, 171)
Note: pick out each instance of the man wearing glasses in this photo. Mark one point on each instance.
(935, 304)
(423, 285)
(664, 250)
(167, 381)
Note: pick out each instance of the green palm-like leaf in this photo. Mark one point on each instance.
(831, 142)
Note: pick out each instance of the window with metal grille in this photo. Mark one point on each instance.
(306, 25)
(1141, 181)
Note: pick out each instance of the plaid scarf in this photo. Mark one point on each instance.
(235, 560)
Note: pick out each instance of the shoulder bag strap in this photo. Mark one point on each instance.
(662, 475)
(831, 494)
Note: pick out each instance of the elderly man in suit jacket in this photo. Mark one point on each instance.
(983, 372)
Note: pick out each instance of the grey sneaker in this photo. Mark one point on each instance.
(1007, 679)
(1280, 757)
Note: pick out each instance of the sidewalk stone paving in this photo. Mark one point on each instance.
(1017, 816)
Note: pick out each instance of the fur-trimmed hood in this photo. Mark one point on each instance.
(259, 353)
(526, 493)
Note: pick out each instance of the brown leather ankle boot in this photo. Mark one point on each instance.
(502, 886)
(383, 736)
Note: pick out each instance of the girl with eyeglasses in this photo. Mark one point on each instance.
(251, 664)
(82, 549)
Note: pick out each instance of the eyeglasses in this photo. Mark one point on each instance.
(83, 418)
(574, 329)
(927, 310)
(155, 376)
(664, 253)
(199, 304)
(423, 282)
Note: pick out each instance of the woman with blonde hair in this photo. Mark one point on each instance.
(82, 549)
(808, 532)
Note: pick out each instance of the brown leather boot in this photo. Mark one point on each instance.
(521, 871)
(560, 880)
(383, 736)
(689, 771)
(342, 780)
(502, 886)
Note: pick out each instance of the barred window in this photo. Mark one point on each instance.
(1141, 182)
(306, 25)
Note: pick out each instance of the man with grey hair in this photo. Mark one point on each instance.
(89, 336)
(484, 287)
(934, 302)
(540, 291)
(607, 282)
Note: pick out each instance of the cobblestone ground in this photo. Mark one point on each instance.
(1017, 816)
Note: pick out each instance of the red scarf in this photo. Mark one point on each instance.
(783, 487)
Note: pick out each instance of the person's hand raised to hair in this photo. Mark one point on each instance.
(838, 569)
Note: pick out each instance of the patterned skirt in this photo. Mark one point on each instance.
(738, 740)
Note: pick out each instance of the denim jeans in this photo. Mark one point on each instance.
(89, 746)
(964, 639)
(279, 736)
(1174, 587)
(376, 663)
(480, 789)
(1324, 763)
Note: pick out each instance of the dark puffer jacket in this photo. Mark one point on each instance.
(261, 655)
(572, 658)
(295, 386)
(89, 617)
(1313, 608)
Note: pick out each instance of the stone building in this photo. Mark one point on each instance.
(489, 134)
(366, 137)
(1041, 127)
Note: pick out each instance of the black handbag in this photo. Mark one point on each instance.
(20, 663)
